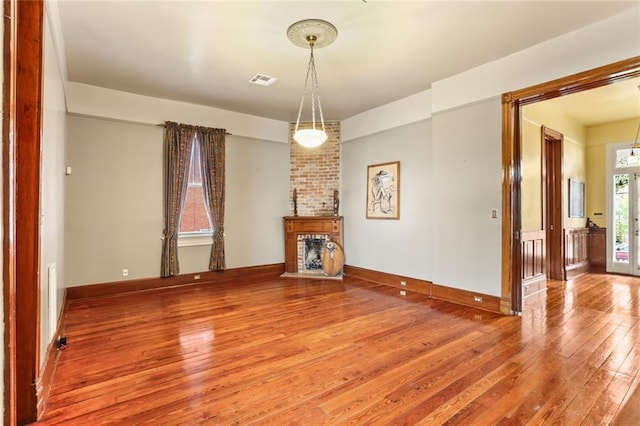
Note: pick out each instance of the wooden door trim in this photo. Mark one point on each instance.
(8, 216)
(555, 245)
(22, 99)
(512, 102)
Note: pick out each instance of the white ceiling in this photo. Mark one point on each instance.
(205, 52)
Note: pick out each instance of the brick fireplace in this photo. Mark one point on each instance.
(305, 237)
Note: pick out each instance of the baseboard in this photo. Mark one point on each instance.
(576, 269)
(534, 285)
(45, 379)
(436, 291)
(465, 297)
(144, 284)
(412, 284)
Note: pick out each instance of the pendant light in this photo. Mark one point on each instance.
(310, 34)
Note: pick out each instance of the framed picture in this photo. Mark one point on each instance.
(576, 198)
(383, 191)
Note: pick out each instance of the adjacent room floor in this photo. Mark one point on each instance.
(295, 351)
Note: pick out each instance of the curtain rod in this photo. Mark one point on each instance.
(226, 133)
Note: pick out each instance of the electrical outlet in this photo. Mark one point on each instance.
(477, 299)
(196, 277)
(125, 272)
(403, 293)
(494, 213)
(403, 283)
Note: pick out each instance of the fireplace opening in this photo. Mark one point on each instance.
(313, 254)
(310, 249)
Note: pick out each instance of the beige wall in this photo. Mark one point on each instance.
(574, 167)
(114, 217)
(531, 176)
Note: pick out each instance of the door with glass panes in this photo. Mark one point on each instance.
(623, 183)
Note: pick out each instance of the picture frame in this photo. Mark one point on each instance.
(576, 198)
(383, 191)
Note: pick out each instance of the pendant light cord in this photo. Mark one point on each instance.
(315, 94)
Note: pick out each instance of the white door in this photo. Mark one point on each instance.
(623, 184)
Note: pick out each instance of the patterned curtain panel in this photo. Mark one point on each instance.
(178, 140)
(212, 149)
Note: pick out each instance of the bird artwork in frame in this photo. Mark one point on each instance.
(383, 191)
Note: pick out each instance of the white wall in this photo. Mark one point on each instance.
(83, 99)
(113, 210)
(404, 111)
(114, 214)
(467, 181)
(256, 200)
(52, 190)
(466, 155)
(404, 246)
(604, 42)
(464, 135)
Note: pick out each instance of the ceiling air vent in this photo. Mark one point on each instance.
(262, 80)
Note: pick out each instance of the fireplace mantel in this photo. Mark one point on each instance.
(297, 225)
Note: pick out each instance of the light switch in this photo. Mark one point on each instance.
(494, 213)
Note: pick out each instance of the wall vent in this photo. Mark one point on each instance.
(262, 80)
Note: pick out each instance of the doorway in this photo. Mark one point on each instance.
(552, 175)
(623, 196)
(512, 103)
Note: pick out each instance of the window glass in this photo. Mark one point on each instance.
(195, 218)
(627, 158)
(621, 217)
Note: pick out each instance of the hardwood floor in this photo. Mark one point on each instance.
(295, 351)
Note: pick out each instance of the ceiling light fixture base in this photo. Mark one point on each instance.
(299, 33)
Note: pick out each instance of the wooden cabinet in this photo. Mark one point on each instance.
(296, 225)
(598, 250)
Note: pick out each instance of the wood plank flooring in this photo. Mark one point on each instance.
(311, 352)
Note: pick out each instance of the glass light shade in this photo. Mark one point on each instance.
(310, 138)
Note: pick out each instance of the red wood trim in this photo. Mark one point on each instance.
(23, 51)
(576, 252)
(144, 284)
(597, 77)
(43, 386)
(461, 297)
(534, 285)
(8, 209)
(413, 284)
(511, 285)
(533, 255)
(466, 297)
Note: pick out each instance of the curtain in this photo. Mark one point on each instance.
(178, 141)
(212, 150)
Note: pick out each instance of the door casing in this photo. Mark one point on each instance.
(512, 102)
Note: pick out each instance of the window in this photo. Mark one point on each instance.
(195, 225)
